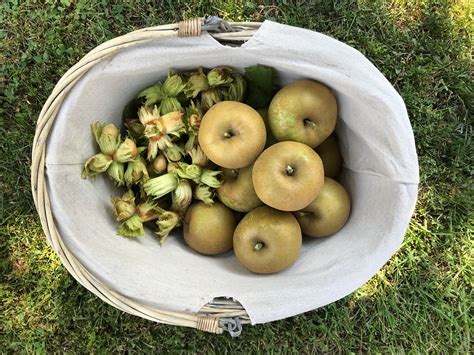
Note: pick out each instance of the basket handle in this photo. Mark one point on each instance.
(218, 28)
(216, 319)
(195, 26)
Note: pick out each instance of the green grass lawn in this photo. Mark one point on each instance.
(420, 301)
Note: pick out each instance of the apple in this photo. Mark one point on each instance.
(270, 138)
(209, 229)
(288, 176)
(304, 111)
(267, 240)
(232, 134)
(237, 191)
(328, 213)
(330, 154)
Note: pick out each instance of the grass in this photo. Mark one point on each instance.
(421, 301)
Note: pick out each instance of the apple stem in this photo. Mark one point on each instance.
(290, 170)
(302, 213)
(227, 135)
(308, 122)
(258, 246)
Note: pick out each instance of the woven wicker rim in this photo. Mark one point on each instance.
(219, 314)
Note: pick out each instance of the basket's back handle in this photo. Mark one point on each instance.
(218, 28)
(189, 28)
(193, 27)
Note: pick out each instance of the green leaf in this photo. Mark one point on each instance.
(259, 85)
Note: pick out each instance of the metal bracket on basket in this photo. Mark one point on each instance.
(231, 325)
(216, 24)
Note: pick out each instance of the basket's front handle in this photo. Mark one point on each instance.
(227, 316)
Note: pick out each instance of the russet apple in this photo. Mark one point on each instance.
(267, 240)
(288, 176)
(303, 111)
(232, 134)
(237, 191)
(328, 213)
(209, 229)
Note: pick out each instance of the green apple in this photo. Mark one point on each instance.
(304, 111)
(288, 176)
(330, 154)
(267, 240)
(209, 229)
(232, 134)
(270, 138)
(237, 191)
(327, 213)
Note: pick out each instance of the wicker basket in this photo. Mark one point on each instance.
(220, 314)
(380, 172)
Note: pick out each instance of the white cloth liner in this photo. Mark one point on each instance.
(381, 174)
